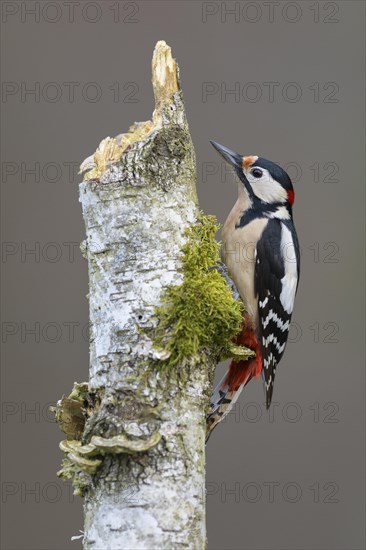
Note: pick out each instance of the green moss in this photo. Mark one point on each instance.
(200, 313)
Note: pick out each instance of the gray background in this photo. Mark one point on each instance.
(310, 450)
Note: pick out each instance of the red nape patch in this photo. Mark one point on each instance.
(242, 371)
(291, 197)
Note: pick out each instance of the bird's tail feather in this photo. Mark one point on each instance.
(222, 401)
(239, 374)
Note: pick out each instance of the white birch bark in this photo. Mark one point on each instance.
(148, 492)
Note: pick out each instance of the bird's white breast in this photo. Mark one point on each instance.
(239, 254)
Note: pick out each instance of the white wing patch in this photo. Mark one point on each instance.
(289, 281)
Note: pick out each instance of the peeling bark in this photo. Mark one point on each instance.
(138, 197)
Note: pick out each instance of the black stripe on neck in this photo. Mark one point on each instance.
(261, 210)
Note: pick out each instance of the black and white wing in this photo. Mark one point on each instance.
(276, 280)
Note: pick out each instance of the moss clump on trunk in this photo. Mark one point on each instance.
(201, 313)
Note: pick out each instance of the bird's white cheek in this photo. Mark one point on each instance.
(268, 190)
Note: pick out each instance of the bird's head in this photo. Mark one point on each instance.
(264, 181)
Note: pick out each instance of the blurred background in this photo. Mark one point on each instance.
(283, 80)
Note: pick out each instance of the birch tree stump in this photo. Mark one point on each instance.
(135, 218)
(135, 445)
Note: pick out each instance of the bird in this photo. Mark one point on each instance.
(260, 249)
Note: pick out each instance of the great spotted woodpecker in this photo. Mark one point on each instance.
(261, 251)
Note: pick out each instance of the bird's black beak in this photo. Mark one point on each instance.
(231, 157)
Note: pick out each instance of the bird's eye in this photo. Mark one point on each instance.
(256, 172)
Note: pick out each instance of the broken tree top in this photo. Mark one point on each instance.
(165, 81)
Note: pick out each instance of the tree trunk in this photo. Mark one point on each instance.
(150, 494)
(160, 319)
